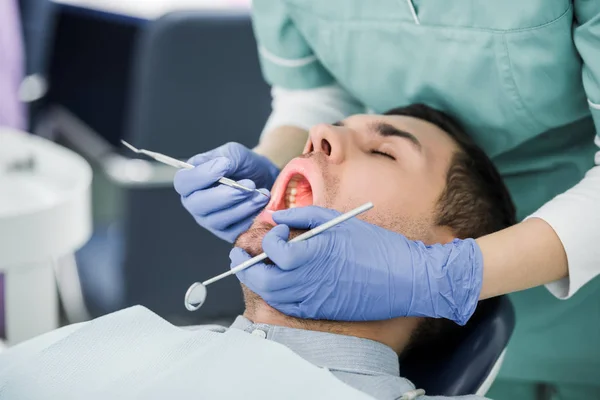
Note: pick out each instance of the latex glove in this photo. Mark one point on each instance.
(223, 210)
(357, 271)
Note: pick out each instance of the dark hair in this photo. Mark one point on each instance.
(474, 203)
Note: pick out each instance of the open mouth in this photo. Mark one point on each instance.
(294, 188)
(296, 192)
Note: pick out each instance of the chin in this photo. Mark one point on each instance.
(300, 184)
(251, 240)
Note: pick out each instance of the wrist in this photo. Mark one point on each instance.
(465, 270)
(446, 279)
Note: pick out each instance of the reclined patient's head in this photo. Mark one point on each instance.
(424, 175)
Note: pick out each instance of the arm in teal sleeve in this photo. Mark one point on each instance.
(286, 58)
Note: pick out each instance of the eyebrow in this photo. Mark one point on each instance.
(387, 130)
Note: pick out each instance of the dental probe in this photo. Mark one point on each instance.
(196, 294)
(173, 162)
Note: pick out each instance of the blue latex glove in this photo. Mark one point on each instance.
(357, 271)
(223, 210)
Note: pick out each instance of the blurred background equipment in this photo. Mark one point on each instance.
(86, 75)
(150, 9)
(180, 84)
(25, 31)
(45, 216)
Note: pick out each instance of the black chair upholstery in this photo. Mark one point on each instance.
(471, 357)
(196, 85)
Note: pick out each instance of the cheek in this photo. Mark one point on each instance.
(401, 199)
(356, 186)
(379, 185)
(360, 185)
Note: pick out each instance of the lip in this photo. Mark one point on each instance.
(299, 165)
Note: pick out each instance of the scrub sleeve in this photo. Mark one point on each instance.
(304, 92)
(285, 57)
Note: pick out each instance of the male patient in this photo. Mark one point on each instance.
(427, 181)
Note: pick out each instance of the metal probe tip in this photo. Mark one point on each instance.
(130, 147)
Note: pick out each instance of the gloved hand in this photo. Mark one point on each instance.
(223, 210)
(357, 271)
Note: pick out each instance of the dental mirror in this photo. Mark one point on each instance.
(195, 296)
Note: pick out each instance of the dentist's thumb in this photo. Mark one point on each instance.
(285, 255)
(304, 217)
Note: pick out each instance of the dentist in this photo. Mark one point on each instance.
(524, 79)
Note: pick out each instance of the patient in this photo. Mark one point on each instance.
(427, 180)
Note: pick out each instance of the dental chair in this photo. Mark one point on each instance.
(472, 359)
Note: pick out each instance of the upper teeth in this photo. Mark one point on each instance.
(290, 194)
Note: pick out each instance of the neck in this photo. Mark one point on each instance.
(395, 333)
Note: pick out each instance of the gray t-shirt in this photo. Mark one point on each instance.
(134, 354)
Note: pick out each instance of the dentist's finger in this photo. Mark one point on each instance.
(221, 197)
(243, 211)
(285, 255)
(208, 201)
(304, 217)
(188, 181)
(261, 278)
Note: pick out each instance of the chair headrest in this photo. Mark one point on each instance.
(469, 357)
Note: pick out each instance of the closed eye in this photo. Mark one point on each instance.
(381, 153)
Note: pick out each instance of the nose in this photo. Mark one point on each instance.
(328, 140)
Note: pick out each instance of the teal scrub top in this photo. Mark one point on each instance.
(523, 76)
